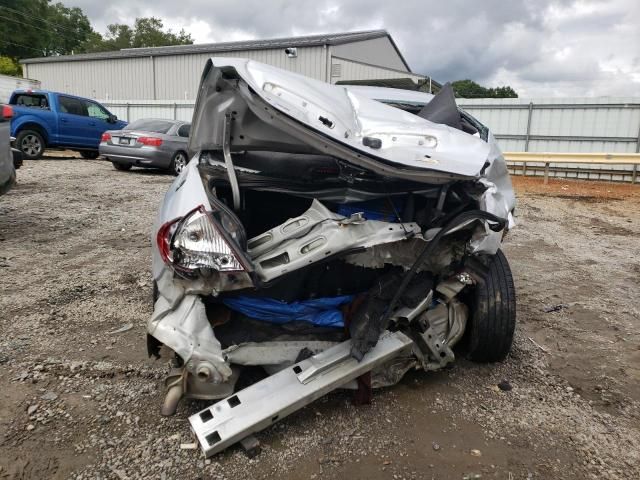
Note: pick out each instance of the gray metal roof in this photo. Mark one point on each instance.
(305, 41)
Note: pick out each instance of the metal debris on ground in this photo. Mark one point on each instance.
(555, 308)
(125, 328)
(545, 350)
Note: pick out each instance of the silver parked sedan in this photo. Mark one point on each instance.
(152, 143)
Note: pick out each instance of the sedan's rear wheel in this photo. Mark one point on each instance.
(493, 313)
(123, 167)
(178, 162)
(31, 144)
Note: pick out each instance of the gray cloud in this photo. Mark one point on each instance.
(541, 48)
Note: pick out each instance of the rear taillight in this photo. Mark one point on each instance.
(105, 137)
(7, 112)
(196, 241)
(150, 141)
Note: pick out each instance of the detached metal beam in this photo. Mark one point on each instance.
(270, 400)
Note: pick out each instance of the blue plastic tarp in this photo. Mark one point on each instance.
(324, 312)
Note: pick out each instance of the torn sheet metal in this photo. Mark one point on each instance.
(274, 353)
(291, 229)
(181, 323)
(318, 234)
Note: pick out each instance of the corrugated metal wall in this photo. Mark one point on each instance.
(602, 125)
(176, 76)
(343, 69)
(121, 78)
(377, 51)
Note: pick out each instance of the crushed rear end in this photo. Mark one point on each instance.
(312, 214)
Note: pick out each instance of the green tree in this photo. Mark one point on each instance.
(146, 32)
(23, 30)
(503, 92)
(8, 66)
(35, 28)
(69, 29)
(470, 89)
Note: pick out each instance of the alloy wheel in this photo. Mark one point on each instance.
(31, 145)
(179, 162)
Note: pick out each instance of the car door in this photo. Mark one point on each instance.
(73, 121)
(98, 121)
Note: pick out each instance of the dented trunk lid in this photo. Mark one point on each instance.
(277, 110)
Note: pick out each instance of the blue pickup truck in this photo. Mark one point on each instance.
(44, 119)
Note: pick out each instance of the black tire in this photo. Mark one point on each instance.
(178, 162)
(31, 144)
(123, 167)
(492, 319)
(90, 154)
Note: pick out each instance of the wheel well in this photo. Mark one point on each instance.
(36, 127)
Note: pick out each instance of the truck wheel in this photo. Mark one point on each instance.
(31, 144)
(89, 154)
(178, 162)
(492, 314)
(123, 167)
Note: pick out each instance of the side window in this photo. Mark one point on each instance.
(184, 130)
(31, 100)
(72, 106)
(96, 110)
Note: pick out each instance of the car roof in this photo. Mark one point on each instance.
(45, 92)
(386, 94)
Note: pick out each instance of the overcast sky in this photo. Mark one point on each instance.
(539, 47)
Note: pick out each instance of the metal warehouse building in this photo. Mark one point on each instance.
(173, 73)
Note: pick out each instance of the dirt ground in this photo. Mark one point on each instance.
(80, 400)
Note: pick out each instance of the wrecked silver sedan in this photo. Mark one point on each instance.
(335, 237)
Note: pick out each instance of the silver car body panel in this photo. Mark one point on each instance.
(123, 147)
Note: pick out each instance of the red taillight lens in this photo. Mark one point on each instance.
(164, 240)
(150, 141)
(105, 137)
(196, 242)
(7, 112)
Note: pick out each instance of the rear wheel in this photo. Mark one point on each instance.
(178, 162)
(31, 144)
(123, 167)
(492, 314)
(89, 154)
